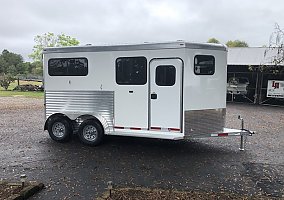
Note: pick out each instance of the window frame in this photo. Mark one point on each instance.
(203, 74)
(175, 70)
(67, 68)
(128, 57)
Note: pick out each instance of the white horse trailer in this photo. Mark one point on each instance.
(173, 91)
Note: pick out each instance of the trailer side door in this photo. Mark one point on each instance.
(166, 94)
(131, 93)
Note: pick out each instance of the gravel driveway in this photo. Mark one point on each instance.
(75, 171)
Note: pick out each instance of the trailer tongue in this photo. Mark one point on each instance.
(226, 132)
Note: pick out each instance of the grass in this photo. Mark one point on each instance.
(31, 94)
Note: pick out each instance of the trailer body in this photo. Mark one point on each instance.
(174, 90)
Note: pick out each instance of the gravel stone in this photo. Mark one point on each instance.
(74, 171)
(14, 103)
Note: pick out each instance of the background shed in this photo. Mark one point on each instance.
(250, 69)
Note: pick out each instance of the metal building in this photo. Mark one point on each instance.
(253, 76)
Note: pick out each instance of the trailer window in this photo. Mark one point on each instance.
(165, 75)
(204, 65)
(68, 67)
(131, 71)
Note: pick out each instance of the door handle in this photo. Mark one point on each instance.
(154, 95)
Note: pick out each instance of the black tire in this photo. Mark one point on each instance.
(59, 129)
(90, 132)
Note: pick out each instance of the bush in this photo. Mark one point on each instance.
(28, 87)
(6, 80)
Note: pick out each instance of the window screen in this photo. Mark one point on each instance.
(204, 65)
(131, 71)
(68, 67)
(165, 75)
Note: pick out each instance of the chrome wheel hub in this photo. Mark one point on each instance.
(90, 133)
(58, 129)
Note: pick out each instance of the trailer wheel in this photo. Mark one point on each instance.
(90, 132)
(59, 129)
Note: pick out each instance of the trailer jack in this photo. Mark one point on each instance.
(244, 134)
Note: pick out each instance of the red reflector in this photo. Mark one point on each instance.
(156, 128)
(222, 134)
(133, 128)
(119, 127)
(174, 129)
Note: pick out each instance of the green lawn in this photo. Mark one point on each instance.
(33, 94)
(11, 93)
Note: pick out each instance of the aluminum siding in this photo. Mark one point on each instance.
(204, 122)
(76, 103)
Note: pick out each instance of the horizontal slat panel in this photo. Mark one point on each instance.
(89, 102)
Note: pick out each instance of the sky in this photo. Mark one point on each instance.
(99, 22)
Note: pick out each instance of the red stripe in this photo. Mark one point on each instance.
(156, 128)
(174, 129)
(119, 127)
(134, 128)
(222, 134)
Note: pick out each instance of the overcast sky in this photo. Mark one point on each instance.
(131, 21)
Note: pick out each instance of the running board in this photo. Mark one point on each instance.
(148, 134)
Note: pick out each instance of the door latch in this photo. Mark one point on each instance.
(154, 95)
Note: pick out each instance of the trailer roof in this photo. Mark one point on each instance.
(132, 47)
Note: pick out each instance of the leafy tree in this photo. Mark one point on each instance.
(3, 65)
(213, 40)
(236, 43)
(11, 63)
(37, 68)
(26, 68)
(6, 80)
(65, 40)
(50, 40)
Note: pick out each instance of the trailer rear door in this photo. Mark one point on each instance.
(165, 94)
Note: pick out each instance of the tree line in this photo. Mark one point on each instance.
(12, 65)
(230, 43)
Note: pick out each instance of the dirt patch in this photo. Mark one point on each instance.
(11, 191)
(8, 190)
(141, 194)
